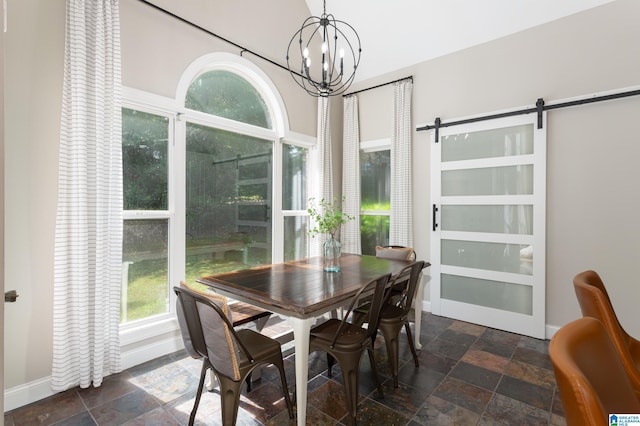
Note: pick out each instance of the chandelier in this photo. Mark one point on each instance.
(326, 51)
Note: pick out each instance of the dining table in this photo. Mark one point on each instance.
(302, 292)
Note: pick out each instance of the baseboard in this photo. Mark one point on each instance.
(550, 330)
(27, 393)
(151, 351)
(36, 390)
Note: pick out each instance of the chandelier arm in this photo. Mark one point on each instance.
(356, 61)
(330, 76)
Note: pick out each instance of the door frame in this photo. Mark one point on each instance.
(531, 325)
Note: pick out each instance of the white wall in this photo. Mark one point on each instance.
(592, 175)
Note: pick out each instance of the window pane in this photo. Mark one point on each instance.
(375, 180)
(144, 160)
(374, 231)
(228, 199)
(295, 237)
(294, 177)
(228, 95)
(145, 257)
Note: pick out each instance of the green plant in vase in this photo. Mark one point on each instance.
(326, 218)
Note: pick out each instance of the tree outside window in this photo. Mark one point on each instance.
(375, 208)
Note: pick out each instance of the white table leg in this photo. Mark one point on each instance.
(301, 329)
(417, 310)
(211, 383)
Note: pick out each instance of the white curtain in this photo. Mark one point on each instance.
(350, 237)
(401, 221)
(88, 244)
(326, 165)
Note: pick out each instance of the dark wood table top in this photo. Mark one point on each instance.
(301, 288)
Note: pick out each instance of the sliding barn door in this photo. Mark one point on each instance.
(488, 220)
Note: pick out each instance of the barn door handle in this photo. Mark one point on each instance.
(435, 224)
(10, 296)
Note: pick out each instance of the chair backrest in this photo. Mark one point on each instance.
(209, 330)
(410, 274)
(396, 252)
(591, 379)
(595, 302)
(376, 286)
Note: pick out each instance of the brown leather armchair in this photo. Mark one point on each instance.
(594, 302)
(589, 373)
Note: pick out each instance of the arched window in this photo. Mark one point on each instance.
(229, 170)
(228, 95)
(232, 190)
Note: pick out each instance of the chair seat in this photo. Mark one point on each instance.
(351, 336)
(261, 346)
(391, 312)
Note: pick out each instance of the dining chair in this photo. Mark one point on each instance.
(396, 253)
(345, 342)
(595, 302)
(394, 315)
(591, 379)
(242, 315)
(231, 354)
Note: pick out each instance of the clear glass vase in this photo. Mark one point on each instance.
(331, 251)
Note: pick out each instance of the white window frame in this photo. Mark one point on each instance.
(310, 143)
(160, 325)
(135, 331)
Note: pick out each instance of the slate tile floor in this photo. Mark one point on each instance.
(468, 375)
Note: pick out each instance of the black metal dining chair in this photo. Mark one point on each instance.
(345, 342)
(395, 315)
(395, 252)
(231, 354)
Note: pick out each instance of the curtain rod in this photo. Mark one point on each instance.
(242, 48)
(539, 108)
(379, 85)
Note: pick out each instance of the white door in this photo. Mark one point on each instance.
(488, 220)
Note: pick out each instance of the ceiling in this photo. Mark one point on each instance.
(402, 33)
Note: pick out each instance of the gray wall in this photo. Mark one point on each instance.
(593, 150)
(155, 51)
(592, 195)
